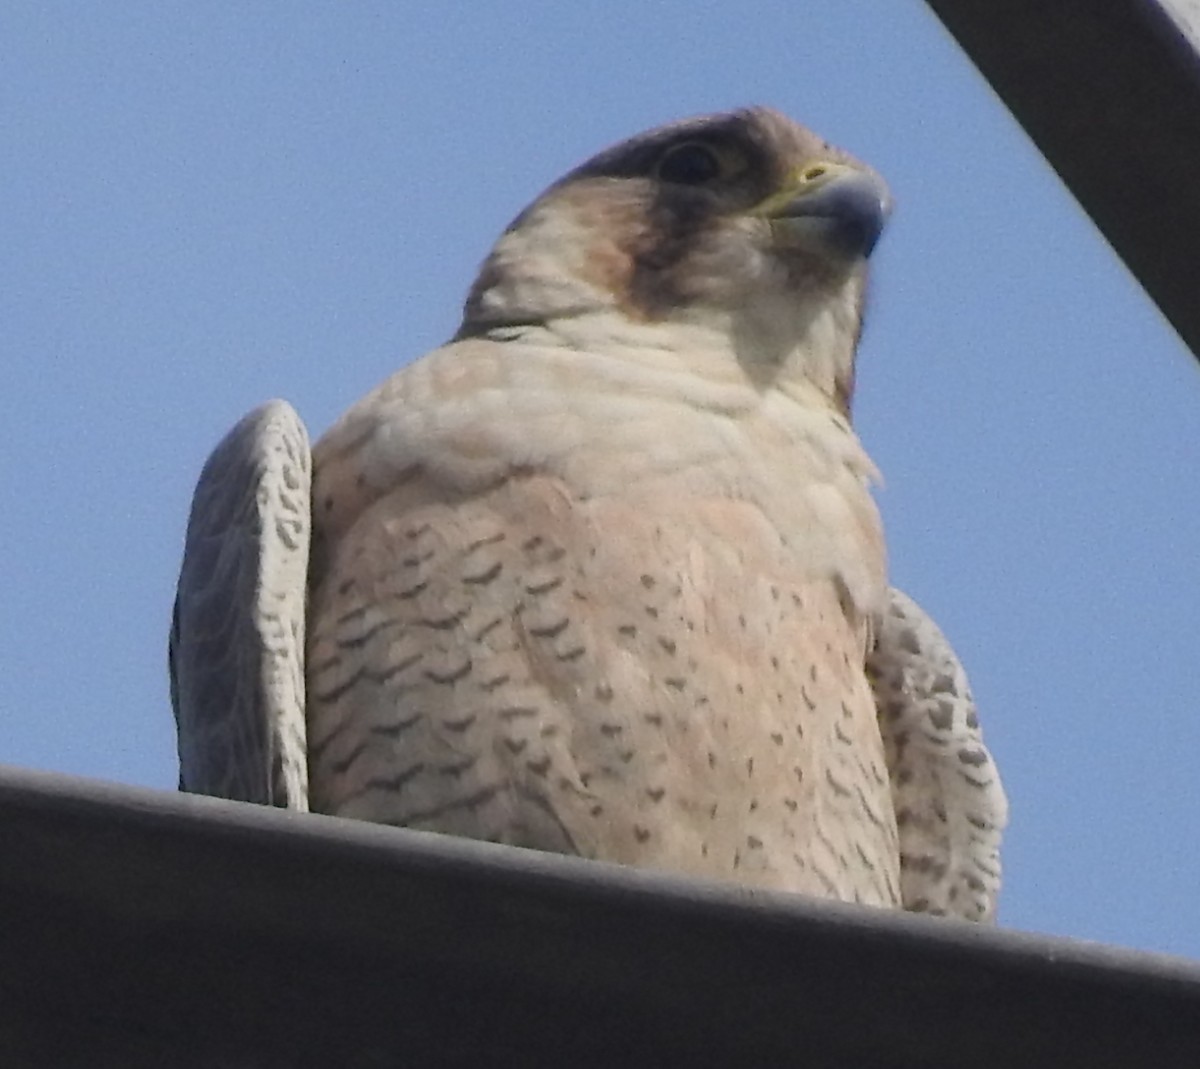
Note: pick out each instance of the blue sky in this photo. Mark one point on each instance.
(206, 205)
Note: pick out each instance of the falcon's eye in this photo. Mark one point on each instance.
(689, 164)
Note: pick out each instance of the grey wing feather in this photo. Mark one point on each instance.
(236, 652)
(950, 805)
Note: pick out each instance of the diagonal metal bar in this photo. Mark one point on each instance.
(1109, 90)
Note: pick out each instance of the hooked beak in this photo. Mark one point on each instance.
(831, 204)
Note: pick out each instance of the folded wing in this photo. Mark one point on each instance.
(236, 650)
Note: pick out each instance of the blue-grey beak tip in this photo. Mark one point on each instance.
(853, 207)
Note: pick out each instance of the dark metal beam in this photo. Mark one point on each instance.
(1109, 90)
(140, 928)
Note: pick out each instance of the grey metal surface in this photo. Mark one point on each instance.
(140, 928)
(1110, 92)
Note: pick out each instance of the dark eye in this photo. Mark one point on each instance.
(689, 164)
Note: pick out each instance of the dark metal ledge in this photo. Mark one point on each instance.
(1109, 90)
(140, 928)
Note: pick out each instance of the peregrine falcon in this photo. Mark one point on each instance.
(603, 574)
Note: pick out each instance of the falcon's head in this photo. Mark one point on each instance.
(744, 224)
